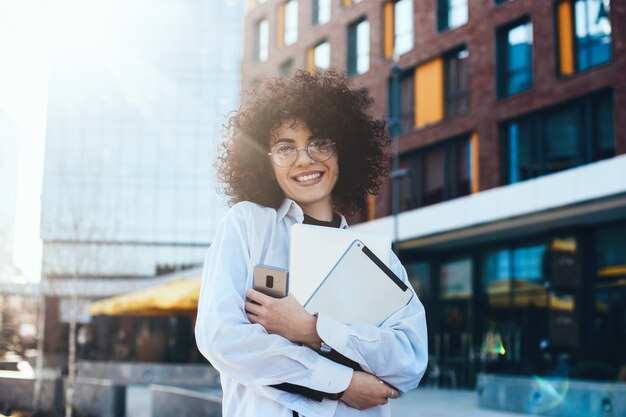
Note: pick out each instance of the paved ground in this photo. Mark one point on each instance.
(422, 402)
(429, 402)
(138, 402)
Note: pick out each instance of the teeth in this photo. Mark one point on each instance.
(303, 178)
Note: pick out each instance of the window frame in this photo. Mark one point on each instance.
(395, 25)
(257, 43)
(502, 55)
(286, 67)
(585, 110)
(293, 25)
(315, 15)
(414, 161)
(353, 47)
(443, 15)
(576, 42)
(459, 94)
(317, 45)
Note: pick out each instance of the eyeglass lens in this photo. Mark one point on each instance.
(286, 155)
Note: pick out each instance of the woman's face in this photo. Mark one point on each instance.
(308, 182)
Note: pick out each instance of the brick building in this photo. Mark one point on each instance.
(511, 192)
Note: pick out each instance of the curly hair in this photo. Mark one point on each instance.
(330, 107)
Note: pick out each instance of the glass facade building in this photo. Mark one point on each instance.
(134, 120)
(9, 169)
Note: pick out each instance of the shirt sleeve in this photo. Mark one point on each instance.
(396, 352)
(245, 351)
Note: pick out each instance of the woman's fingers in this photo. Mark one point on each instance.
(366, 390)
(258, 297)
(253, 308)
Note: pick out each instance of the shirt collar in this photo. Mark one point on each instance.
(291, 208)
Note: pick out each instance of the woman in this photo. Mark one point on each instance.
(303, 149)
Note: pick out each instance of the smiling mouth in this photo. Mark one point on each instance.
(308, 177)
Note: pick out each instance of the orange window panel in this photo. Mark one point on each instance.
(280, 25)
(429, 93)
(474, 152)
(371, 207)
(388, 30)
(566, 38)
(347, 3)
(310, 59)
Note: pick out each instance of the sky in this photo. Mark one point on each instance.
(25, 38)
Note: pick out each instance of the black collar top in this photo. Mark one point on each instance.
(335, 222)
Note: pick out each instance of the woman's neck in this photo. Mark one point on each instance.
(318, 212)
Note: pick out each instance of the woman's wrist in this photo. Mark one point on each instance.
(311, 338)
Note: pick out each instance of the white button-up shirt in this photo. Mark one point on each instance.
(250, 360)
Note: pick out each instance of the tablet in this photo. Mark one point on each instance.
(360, 289)
(315, 250)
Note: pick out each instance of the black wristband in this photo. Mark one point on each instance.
(336, 396)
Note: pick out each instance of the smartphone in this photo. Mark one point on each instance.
(271, 280)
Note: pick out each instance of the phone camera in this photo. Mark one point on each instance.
(269, 281)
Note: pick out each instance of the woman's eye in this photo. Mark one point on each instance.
(284, 149)
(321, 144)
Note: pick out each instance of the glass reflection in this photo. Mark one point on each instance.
(593, 32)
(457, 13)
(403, 26)
(519, 59)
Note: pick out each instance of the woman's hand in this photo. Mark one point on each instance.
(366, 391)
(283, 316)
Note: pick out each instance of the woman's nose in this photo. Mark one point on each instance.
(303, 157)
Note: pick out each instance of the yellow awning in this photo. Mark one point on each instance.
(176, 296)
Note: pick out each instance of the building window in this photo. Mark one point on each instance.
(451, 14)
(319, 57)
(438, 173)
(359, 47)
(403, 26)
(514, 59)
(429, 92)
(402, 108)
(262, 41)
(291, 22)
(512, 283)
(456, 83)
(611, 252)
(608, 333)
(593, 32)
(398, 27)
(520, 264)
(321, 11)
(286, 68)
(584, 34)
(437, 88)
(456, 279)
(553, 140)
(419, 277)
(407, 101)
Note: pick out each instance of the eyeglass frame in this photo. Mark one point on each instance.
(332, 144)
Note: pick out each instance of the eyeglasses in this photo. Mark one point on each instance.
(285, 155)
